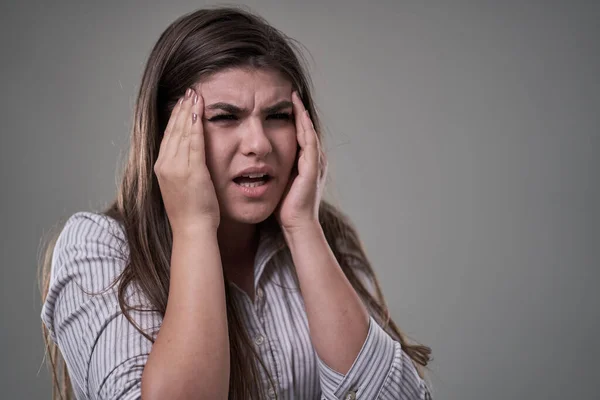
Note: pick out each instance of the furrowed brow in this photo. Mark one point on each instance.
(226, 107)
(230, 108)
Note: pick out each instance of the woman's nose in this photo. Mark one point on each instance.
(254, 140)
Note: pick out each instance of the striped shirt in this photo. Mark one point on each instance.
(105, 354)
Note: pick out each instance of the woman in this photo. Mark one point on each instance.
(219, 237)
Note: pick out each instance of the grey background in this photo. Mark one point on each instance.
(463, 139)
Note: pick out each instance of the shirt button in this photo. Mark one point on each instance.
(271, 392)
(350, 396)
(259, 339)
(259, 293)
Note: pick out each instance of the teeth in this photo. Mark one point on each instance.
(254, 175)
(251, 184)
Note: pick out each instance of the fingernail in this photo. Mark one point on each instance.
(195, 99)
(194, 118)
(188, 93)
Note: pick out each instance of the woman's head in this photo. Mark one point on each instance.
(231, 58)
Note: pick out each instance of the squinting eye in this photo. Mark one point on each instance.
(223, 117)
(282, 116)
(231, 117)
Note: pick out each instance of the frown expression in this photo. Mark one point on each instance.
(248, 123)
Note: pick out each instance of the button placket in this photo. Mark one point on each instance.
(259, 302)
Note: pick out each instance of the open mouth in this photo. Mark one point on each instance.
(252, 180)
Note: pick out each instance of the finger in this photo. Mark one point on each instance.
(307, 136)
(299, 113)
(311, 145)
(323, 165)
(310, 135)
(180, 125)
(181, 134)
(183, 150)
(169, 128)
(197, 151)
(322, 157)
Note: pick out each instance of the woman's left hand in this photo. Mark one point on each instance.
(299, 205)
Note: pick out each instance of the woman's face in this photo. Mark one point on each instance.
(250, 140)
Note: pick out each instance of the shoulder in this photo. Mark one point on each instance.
(83, 312)
(89, 254)
(87, 235)
(86, 225)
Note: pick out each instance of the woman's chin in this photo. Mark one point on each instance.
(251, 213)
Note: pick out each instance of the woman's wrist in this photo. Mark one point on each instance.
(310, 229)
(194, 231)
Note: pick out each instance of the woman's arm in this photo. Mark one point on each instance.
(337, 317)
(355, 354)
(106, 356)
(190, 357)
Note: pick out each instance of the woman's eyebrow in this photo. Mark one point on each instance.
(282, 105)
(226, 107)
(237, 110)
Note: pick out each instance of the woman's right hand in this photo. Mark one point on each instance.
(185, 183)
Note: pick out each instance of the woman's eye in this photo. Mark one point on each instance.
(223, 117)
(231, 117)
(282, 116)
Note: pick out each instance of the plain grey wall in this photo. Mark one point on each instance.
(464, 141)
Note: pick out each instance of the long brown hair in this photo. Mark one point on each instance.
(190, 49)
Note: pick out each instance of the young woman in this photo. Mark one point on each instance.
(219, 272)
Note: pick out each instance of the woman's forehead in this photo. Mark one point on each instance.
(244, 87)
